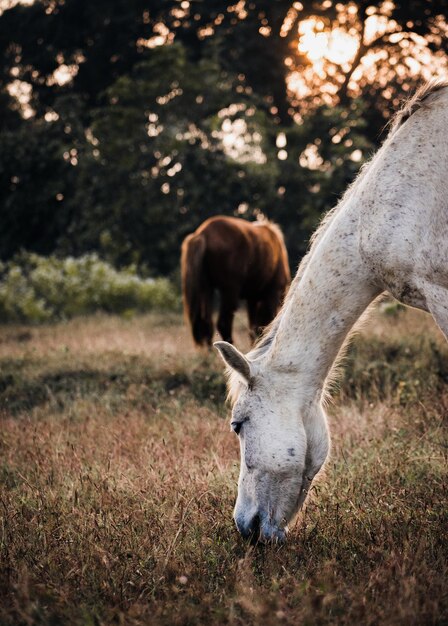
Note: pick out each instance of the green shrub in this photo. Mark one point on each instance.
(38, 289)
(402, 371)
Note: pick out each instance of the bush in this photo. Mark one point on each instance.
(38, 289)
(402, 372)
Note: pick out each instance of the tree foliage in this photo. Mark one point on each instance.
(125, 124)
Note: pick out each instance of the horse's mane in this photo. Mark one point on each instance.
(267, 337)
(269, 332)
(423, 97)
(263, 344)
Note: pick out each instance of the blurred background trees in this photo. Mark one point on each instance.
(126, 123)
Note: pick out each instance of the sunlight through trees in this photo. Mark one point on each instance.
(124, 126)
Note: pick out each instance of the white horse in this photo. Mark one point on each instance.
(389, 233)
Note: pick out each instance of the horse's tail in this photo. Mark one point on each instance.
(196, 291)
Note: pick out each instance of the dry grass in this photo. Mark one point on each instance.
(118, 475)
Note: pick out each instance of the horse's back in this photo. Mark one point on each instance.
(227, 249)
(273, 255)
(241, 253)
(224, 234)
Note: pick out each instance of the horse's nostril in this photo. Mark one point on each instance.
(249, 530)
(254, 533)
(255, 524)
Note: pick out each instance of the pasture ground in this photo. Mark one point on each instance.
(118, 477)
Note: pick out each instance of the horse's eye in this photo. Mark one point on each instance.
(236, 425)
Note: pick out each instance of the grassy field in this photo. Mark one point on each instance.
(118, 478)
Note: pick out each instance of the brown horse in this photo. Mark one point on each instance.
(241, 260)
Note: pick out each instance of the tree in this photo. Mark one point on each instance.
(125, 124)
(157, 164)
(34, 181)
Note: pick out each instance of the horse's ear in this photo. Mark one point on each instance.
(234, 359)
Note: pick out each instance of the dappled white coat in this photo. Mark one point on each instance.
(388, 233)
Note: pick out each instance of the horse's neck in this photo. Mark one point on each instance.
(331, 294)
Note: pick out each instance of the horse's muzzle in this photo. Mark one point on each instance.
(259, 530)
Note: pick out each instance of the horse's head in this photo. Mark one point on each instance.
(282, 446)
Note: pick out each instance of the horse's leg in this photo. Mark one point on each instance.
(254, 330)
(437, 303)
(208, 317)
(227, 308)
(265, 312)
